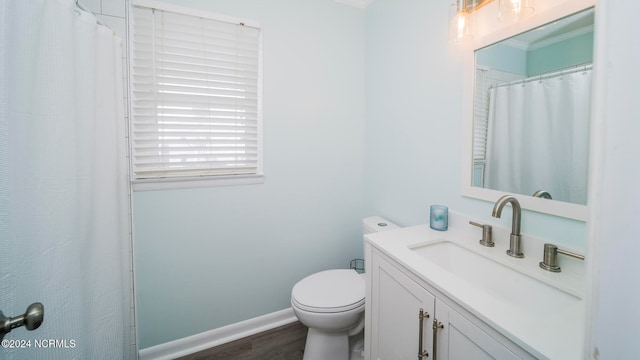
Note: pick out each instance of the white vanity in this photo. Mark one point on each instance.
(485, 304)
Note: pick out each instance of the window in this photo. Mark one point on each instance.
(195, 96)
(485, 79)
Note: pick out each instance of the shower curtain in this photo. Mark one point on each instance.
(538, 136)
(64, 222)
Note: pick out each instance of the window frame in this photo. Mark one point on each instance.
(198, 181)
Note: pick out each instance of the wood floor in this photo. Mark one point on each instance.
(282, 343)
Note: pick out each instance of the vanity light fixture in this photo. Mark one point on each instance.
(461, 28)
(515, 10)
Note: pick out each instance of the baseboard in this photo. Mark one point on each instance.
(219, 336)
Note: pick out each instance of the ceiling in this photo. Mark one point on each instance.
(558, 30)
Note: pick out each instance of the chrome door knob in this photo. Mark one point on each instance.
(31, 319)
(33, 316)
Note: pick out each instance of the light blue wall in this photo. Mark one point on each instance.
(504, 57)
(205, 258)
(574, 51)
(561, 55)
(614, 245)
(412, 130)
(413, 118)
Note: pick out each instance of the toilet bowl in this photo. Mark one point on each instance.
(331, 304)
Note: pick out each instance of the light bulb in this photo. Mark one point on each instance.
(461, 27)
(515, 10)
(516, 6)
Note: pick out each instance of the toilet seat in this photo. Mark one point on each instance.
(330, 291)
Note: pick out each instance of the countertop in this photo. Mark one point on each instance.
(542, 329)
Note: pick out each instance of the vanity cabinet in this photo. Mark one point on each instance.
(396, 303)
(401, 311)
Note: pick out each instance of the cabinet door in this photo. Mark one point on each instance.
(460, 339)
(396, 301)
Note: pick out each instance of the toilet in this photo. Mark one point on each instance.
(331, 304)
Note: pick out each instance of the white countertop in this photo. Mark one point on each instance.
(541, 328)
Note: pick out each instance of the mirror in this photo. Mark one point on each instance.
(530, 116)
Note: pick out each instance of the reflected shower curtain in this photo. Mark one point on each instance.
(538, 137)
(63, 186)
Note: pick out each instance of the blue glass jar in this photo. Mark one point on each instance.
(439, 217)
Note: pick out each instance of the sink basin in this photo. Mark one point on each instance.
(487, 276)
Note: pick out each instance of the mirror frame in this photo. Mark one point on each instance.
(551, 207)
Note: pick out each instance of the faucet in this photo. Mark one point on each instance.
(542, 194)
(514, 240)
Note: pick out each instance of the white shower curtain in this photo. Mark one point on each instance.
(63, 186)
(538, 137)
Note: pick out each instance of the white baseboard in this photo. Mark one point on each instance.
(219, 336)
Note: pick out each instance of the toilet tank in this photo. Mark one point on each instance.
(376, 224)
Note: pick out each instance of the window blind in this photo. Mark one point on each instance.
(480, 116)
(485, 79)
(195, 107)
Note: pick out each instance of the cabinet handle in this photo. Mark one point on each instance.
(421, 316)
(436, 325)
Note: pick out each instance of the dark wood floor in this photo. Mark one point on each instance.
(282, 343)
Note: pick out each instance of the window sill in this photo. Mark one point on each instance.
(196, 182)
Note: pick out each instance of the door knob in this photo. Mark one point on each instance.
(31, 319)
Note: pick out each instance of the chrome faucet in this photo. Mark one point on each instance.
(514, 240)
(543, 194)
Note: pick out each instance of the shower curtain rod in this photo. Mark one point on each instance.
(548, 75)
(83, 8)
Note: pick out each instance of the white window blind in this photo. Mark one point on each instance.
(195, 98)
(480, 116)
(485, 79)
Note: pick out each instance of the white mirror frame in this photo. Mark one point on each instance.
(552, 207)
